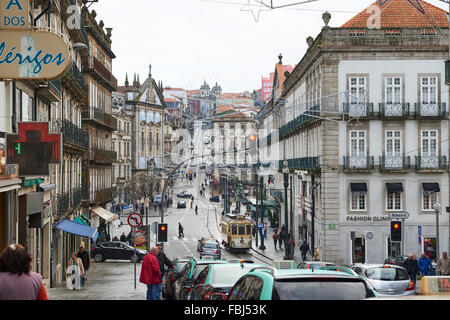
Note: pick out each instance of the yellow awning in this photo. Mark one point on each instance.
(104, 214)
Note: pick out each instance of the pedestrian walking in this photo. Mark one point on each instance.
(316, 254)
(265, 230)
(129, 238)
(196, 210)
(77, 265)
(123, 237)
(275, 237)
(163, 260)
(180, 231)
(276, 225)
(411, 267)
(304, 249)
(425, 266)
(282, 235)
(84, 256)
(151, 275)
(443, 265)
(17, 281)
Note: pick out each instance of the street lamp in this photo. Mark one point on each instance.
(437, 209)
(286, 222)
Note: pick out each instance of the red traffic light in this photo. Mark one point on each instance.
(396, 226)
(163, 228)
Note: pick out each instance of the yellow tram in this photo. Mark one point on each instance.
(236, 232)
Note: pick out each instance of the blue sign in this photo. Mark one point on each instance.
(126, 207)
(158, 198)
(419, 230)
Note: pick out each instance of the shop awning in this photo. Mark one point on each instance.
(358, 188)
(104, 214)
(430, 188)
(47, 187)
(77, 228)
(80, 221)
(394, 187)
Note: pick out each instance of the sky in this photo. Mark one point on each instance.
(230, 42)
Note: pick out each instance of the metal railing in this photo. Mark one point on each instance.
(73, 134)
(431, 163)
(394, 109)
(98, 67)
(298, 122)
(94, 113)
(359, 163)
(388, 163)
(63, 203)
(358, 109)
(104, 156)
(77, 76)
(431, 110)
(311, 163)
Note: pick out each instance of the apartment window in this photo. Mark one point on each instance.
(393, 146)
(357, 88)
(358, 198)
(358, 143)
(429, 143)
(394, 196)
(430, 195)
(429, 90)
(393, 90)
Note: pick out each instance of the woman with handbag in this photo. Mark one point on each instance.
(77, 269)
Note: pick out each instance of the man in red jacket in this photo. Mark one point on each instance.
(151, 275)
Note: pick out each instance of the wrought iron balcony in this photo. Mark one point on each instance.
(103, 72)
(298, 122)
(51, 90)
(311, 163)
(76, 75)
(388, 110)
(63, 203)
(431, 163)
(77, 197)
(104, 156)
(436, 110)
(73, 135)
(104, 195)
(359, 163)
(99, 116)
(388, 163)
(358, 109)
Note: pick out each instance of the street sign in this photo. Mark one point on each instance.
(419, 230)
(398, 215)
(369, 235)
(134, 220)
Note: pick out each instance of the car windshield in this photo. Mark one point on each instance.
(320, 289)
(386, 274)
(210, 245)
(228, 275)
(198, 268)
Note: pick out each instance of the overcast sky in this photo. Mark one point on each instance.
(189, 41)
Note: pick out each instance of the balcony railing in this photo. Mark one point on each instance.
(358, 109)
(359, 163)
(51, 90)
(77, 196)
(100, 116)
(77, 76)
(100, 69)
(311, 163)
(104, 156)
(431, 163)
(298, 122)
(73, 134)
(394, 110)
(63, 203)
(438, 110)
(388, 163)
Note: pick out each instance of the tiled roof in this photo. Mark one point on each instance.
(281, 69)
(400, 14)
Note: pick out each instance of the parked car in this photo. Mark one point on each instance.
(184, 194)
(191, 270)
(214, 199)
(202, 166)
(340, 269)
(181, 204)
(209, 247)
(396, 260)
(314, 265)
(116, 250)
(216, 280)
(387, 280)
(268, 283)
(168, 289)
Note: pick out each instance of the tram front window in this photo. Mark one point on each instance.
(242, 230)
(234, 229)
(249, 229)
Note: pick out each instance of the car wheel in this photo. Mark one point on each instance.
(98, 257)
(134, 258)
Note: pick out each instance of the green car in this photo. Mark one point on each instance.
(268, 283)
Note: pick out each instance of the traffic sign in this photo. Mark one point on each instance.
(398, 215)
(134, 220)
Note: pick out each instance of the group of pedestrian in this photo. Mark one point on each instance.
(279, 236)
(152, 271)
(424, 267)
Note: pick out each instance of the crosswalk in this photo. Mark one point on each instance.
(176, 239)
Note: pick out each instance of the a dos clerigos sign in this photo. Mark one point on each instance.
(26, 53)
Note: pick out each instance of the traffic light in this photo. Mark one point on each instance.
(396, 231)
(142, 211)
(162, 232)
(190, 175)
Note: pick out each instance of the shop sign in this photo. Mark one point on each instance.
(14, 14)
(362, 218)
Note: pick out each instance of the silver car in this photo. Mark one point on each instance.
(209, 248)
(387, 280)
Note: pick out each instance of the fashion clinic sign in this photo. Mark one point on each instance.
(29, 54)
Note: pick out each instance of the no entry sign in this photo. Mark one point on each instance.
(134, 220)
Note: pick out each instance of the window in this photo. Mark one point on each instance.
(358, 202)
(357, 88)
(394, 196)
(429, 143)
(429, 200)
(393, 146)
(429, 90)
(358, 144)
(393, 90)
